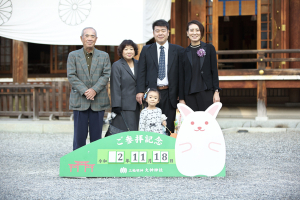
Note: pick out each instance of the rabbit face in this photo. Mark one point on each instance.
(200, 145)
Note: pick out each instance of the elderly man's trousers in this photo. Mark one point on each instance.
(84, 122)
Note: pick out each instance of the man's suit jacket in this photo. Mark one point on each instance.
(123, 85)
(81, 80)
(208, 68)
(148, 70)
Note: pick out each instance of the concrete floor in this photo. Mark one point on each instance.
(258, 166)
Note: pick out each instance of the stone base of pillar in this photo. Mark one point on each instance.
(261, 111)
(261, 118)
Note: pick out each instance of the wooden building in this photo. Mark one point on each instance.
(257, 43)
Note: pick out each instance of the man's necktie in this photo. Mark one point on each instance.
(161, 64)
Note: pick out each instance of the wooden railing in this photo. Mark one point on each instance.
(32, 99)
(258, 78)
(261, 62)
(261, 55)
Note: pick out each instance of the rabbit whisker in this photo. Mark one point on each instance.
(184, 144)
(211, 148)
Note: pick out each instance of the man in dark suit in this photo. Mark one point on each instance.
(88, 72)
(159, 68)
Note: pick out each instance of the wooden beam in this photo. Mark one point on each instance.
(237, 84)
(20, 61)
(227, 52)
(254, 84)
(283, 84)
(261, 61)
(241, 72)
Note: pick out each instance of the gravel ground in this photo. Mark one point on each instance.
(259, 166)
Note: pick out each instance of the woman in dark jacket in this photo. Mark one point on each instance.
(123, 87)
(198, 73)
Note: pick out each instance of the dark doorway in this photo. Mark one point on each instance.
(38, 59)
(237, 33)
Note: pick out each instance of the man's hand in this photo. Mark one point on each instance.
(164, 123)
(182, 101)
(139, 98)
(216, 97)
(90, 94)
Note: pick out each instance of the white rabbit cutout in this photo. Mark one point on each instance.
(200, 145)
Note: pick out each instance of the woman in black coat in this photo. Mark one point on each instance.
(198, 73)
(123, 87)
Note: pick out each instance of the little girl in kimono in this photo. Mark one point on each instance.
(151, 117)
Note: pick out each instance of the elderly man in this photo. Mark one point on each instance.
(88, 72)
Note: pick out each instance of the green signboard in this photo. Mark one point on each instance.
(128, 154)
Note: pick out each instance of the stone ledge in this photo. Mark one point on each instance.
(260, 130)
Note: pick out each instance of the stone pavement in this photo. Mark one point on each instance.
(258, 166)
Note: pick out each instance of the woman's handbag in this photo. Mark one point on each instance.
(114, 130)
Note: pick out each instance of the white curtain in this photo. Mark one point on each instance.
(60, 22)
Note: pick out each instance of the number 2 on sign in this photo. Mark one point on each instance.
(120, 156)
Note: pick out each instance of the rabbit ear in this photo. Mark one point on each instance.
(214, 109)
(184, 109)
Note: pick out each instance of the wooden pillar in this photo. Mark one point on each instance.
(182, 18)
(277, 39)
(172, 23)
(215, 41)
(198, 12)
(258, 20)
(261, 94)
(261, 101)
(140, 47)
(35, 103)
(180, 24)
(294, 30)
(284, 33)
(20, 61)
(116, 56)
(197, 8)
(189, 10)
